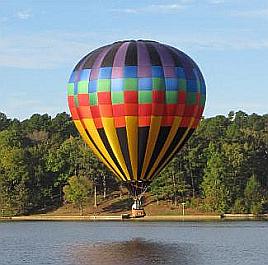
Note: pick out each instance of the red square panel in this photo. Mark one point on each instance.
(185, 122)
(170, 109)
(145, 109)
(131, 109)
(104, 97)
(119, 122)
(180, 109)
(130, 96)
(83, 99)
(118, 110)
(98, 123)
(158, 96)
(106, 110)
(84, 112)
(71, 101)
(144, 121)
(167, 120)
(181, 97)
(74, 113)
(95, 112)
(158, 109)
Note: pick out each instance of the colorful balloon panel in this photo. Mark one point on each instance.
(136, 103)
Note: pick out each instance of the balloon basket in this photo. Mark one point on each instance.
(137, 213)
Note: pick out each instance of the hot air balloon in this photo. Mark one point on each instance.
(136, 103)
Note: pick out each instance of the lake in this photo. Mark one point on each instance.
(139, 243)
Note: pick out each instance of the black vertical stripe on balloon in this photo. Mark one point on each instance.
(110, 150)
(163, 161)
(154, 56)
(103, 157)
(161, 139)
(109, 57)
(143, 133)
(188, 65)
(179, 134)
(122, 138)
(131, 55)
(93, 56)
(85, 58)
(81, 62)
(175, 57)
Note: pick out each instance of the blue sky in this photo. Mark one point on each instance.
(41, 41)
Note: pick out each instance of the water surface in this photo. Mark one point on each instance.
(115, 243)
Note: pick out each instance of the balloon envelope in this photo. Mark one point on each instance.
(136, 103)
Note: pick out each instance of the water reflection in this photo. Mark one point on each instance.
(136, 251)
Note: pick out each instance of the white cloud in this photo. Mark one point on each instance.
(154, 8)
(24, 14)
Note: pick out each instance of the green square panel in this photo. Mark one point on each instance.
(131, 84)
(70, 89)
(118, 97)
(93, 99)
(158, 83)
(171, 97)
(104, 85)
(182, 84)
(191, 98)
(145, 97)
(82, 87)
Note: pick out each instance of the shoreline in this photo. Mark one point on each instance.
(163, 218)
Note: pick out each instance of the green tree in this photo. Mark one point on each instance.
(253, 196)
(77, 191)
(215, 182)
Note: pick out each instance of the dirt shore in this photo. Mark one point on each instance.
(44, 217)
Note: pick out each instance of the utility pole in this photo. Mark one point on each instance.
(183, 208)
(95, 196)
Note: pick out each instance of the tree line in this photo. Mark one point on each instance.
(222, 168)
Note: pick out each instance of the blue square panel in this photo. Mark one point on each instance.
(130, 71)
(105, 72)
(145, 83)
(191, 85)
(73, 77)
(157, 71)
(75, 88)
(117, 84)
(84, 75)
(171, 84)
(180, 72)
(92, 86)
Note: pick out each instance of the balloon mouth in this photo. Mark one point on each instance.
(137, 187)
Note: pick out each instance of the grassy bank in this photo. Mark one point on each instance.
(115, 208)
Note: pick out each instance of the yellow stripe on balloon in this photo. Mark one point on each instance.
(85, 137)
(91, 128)
(110, 131)
(174, 128)
(152, 137)
(132, 135)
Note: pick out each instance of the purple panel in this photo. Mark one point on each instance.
(119, 61)
(117, 72)
(165, 56)
(144, 63)
(94, 74)
(169, 71)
